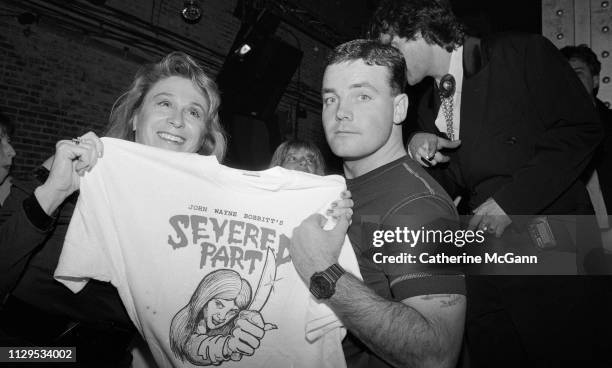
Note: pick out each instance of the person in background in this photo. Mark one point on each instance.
(299, 155)
(7, 129)
(522, 130)
(587, 67)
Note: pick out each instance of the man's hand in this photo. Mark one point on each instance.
(313, 249)
(425, 148)
(71, 160)
(490, 217)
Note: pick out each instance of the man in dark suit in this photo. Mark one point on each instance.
(520, 129)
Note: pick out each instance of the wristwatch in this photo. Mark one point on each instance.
(323, 284)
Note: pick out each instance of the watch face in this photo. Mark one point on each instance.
(321, 287)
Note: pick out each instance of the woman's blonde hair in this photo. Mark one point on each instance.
(282, 153)
(173, 64)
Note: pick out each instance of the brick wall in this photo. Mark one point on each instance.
(57, 81)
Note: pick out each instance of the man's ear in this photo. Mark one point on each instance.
(400, 108)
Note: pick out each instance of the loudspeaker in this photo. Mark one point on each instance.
(251, 142)
(254, 78)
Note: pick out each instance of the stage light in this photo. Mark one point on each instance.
(192, 12)
(243, 50)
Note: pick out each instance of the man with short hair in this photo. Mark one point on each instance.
(587, 67)
(402, 314)
(522, 129)
(6, 156)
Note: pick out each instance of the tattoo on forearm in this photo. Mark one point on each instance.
(446, 300)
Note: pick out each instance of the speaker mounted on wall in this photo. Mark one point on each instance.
(257, 69)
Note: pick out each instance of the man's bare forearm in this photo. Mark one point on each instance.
(396, 332)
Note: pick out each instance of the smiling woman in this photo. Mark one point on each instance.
(172, 116)
(171, 105)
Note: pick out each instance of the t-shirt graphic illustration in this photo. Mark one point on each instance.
(199, 254)
(209, 329)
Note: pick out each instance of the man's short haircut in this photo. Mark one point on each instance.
(373, 52)
(433, 19)
(584, 53)
(6, 125)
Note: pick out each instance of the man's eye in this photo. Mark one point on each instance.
(364, 98)
(329, 100)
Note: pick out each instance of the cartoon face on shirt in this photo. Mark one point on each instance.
(219, 312)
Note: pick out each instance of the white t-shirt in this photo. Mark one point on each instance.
(194, 247)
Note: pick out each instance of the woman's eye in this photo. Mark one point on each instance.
(231, 314)
(164, 103)
(195, 113)
(219, 304)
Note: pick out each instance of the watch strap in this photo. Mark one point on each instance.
(335, 272)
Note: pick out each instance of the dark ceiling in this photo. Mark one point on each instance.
(348, 18)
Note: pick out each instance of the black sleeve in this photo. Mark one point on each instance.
(25, 228)
(404, 280)
(571, 131)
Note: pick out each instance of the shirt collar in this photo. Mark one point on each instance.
(456, 67)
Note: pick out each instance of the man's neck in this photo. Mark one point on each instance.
(361, 166)
(441, 63)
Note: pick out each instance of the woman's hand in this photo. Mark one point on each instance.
(71, 160)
